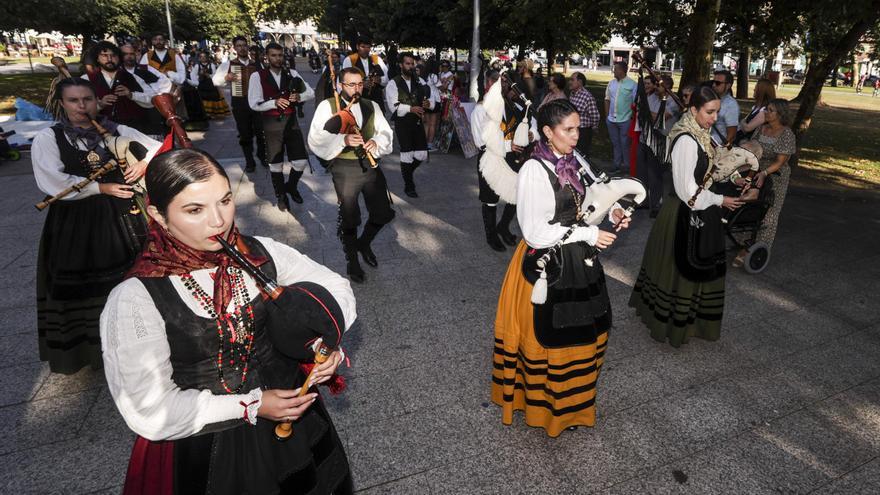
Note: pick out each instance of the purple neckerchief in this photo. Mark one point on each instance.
(89, 135)
(567, 166)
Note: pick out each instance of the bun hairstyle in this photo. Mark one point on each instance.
(170, 172)
(552, 114)
(701, 96)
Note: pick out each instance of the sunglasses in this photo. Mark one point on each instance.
(716, 83)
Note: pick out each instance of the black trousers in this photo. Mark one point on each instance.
(650, 171)
(351, 179)
(249, 125)
(585, 141)
(284, 138)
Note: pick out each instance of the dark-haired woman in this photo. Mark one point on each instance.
(188, 358)
(90, 238)
(679, 293)
(555, 89)
(547, 356)
(201, 76)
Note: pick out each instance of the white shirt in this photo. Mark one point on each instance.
(49, 169)
(137, 356)
(684, 162)
(327, 145)
(143, 99)
(478, 121)
(536, 206)
(162, 84)
(391, 94)
(365, 66)
(177, 76)
(194, 74)
(219, 77)
(255, 91)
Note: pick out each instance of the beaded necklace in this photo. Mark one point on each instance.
(235, 331)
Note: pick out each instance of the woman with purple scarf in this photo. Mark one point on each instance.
(91, 237)
(549, 348)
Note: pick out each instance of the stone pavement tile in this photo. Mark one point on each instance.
(415, 484)
(771, 392)
(105, 418)
(41, 422)
(512, 469)
(863, 479)
(811, 325)
(18, 320)
(624, 383)
(57, 384)
(85, 464)
(21, 382)
(19, 295)
(19, 349)
(409, 444)
(855, 412)
(628, 337)
(859, 308)
(116, 490)
(366, 400)
(434, 384)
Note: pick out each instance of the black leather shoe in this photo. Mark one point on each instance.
(368, 255)
(282, 202)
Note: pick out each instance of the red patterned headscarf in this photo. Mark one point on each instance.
(164, 255)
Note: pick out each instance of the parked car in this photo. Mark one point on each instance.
(576, 59)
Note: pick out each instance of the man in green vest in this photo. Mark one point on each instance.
(343, 139)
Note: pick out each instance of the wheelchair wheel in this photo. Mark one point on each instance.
(757, 258)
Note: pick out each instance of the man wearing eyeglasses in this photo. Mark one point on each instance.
(333, 137)
(724, 130)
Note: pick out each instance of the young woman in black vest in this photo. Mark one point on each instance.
(91, 237)
(189, 358)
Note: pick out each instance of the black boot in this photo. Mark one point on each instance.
(292, 182)
(504, 225)
(250, 164)
(367, 236)
(491, 231)
(409, 186)
(280, 193)
(350, 247)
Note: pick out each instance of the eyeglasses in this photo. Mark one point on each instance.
(716, 83)
(353, 85)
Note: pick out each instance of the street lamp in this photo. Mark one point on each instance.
(473, 90)
(168, 18)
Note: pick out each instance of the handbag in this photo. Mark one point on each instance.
(699, 244)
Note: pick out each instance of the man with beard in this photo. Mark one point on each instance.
(155, 79)
(273, 91)
(372, 66)
(123, 97)
(237, 73)
(332, 138)
(407, 97)
(171, 65)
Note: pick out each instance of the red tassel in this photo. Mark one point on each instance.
(336, 384)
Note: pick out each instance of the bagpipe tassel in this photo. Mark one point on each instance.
(539, 291)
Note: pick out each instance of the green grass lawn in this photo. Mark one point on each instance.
(36, 60)
(840, 150)
(31, 87)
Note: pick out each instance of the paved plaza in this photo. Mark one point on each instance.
(787, 401)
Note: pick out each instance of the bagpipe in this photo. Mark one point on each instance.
(344, 119)
(296, 320)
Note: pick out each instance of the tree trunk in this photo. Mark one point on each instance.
(742, 73)
(815, 76)
(698, 52)
(551, 59)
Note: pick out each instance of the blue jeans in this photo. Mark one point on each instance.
(620, 143)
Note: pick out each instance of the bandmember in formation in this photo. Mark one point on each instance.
(172, 65)
(191, 362)
(333, 139)
(202, 75)
(550, 346)
(123, 97)
(408, 97)
(513, 113)
(237, 73)
(90, 237)
(679, 292)
(157, 82)
(325, 86)
(373, 67)
(272, 91)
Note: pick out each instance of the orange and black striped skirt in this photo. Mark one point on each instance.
(554, 387)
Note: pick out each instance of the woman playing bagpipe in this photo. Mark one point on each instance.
(201, 75)
(91, 236)
(680, 288)
(205, 345)
(550, 342)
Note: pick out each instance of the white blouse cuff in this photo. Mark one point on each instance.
(251, 405)
(588, 234)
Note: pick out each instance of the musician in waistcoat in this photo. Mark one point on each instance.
(171, 64)
(249, 124)
(497, 178)
(373, 67)
(679, 292)
(193, 364)
(563, 327)
(272, 91)
(408, 97)
(332, 138)
(91, 237)
(122, 96)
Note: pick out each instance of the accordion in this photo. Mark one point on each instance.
(243, 73)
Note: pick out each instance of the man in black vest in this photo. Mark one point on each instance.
(157, 81)
(407, 97)
(333, 137)
(236, 72)
(122, 96)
